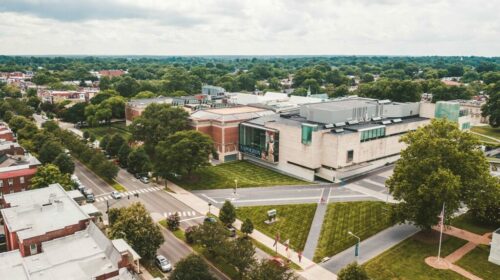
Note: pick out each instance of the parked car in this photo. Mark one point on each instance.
(82, 188)
(210, 220)
(232, 231)
(90, 198)
(163, 263)
(116, 195)
(144, 180)
(137, 175)
(2, 238)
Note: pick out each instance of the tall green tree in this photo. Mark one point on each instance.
(247, 226)
(227, 213)
(267, 269)
(239, 253)
(213, 237)
(156, 123)
(192, 267)
(135, 225)
(183, 153)
(49, 151)
(65, 163)
(123, 154)
(440, 165)
(492, 109)
(114, 144)
(353, 271)
(138, 161)
(50, 174)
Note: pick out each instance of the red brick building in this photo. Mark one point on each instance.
(16, 167)
(222, 126)
(40, 215)
(5, 133)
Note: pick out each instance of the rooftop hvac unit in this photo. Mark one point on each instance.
(397, 120)
(376, 119)
(339, 124)
(329, 125)
(385, 101)
(386, 122)
(352, 122)
(339, 130)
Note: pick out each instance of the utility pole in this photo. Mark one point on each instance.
(356, 249)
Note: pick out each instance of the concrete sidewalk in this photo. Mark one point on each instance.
(371, 247)
(317, 224)
(310, 269)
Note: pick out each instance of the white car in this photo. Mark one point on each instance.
(163, 263)
(116, 195)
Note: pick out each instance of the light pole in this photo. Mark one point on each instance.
(209, 205)
(356, 249)
(235, 186)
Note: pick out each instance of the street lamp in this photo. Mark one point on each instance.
(209, 205)
(235, 186)
(356, 249)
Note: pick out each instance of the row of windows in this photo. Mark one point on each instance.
(371, 134)
(11, 181)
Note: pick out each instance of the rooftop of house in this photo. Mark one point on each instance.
(36, 212)
(240, 113)
(6, 145)
(83, 255)
(9, 163)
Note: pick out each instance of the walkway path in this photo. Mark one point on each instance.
(310, 269)
(371, 247)
(448, 261)
(317, 223)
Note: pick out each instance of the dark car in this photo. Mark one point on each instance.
(210, 220)
(2, 238)
(232, 231)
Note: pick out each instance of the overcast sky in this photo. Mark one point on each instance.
(250, 27)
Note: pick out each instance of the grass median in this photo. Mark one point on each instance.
(469, 223)
(476, 262)
(293, 223)
(223, 175)
(488, 131)
(406, 260)
(111, 129)
(364, 219)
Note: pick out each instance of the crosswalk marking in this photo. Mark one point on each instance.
(180, 213)
(108, 197)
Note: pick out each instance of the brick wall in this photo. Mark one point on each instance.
(17, 184)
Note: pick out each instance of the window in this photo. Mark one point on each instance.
(33, 249)
(371, 134)
(307, 130)
(466, 126)
(21, 179)
(350, 156)
(1, 183)
(11, 182)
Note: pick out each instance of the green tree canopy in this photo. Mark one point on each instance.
(157, 122)
(49, 174)
(247, 226)
(192, 267)
(440, 165)
(227, 213)
(138, 161)
(492, 109)
(267, 269)
(183, 153)
(65, 163)
(353, 272)
(114, 144)
(135, 225)
(49, 151)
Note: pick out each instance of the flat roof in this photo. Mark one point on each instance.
(240, 113)
(36, 212)
(11, 264)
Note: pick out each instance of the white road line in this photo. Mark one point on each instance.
(328, 195)
(349, 196)
(194, 218)
(108, 197)
(194, 213)
(375, 183)
(321, 196)
(213, 200)
(184, 214)
(278, 199)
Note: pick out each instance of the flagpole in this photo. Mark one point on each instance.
(441, 234)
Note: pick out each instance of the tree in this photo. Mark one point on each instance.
(444, 93)
(135, 225)
(123, 154)
(492, 109)
(75, 113)
(104, 142)
(213, 237)
(114, 144)
(269, 270)
(240, 254)
(86, 134)
(144, 94)
(127, 86)
(138, 161)
(173, 221)
(440, 165)
(353, 272)
(50, 174)
(65, 163)
(192, 267)
(183, 153)
(247, 226)
(156, 123)
(227, 213)
(49, 151)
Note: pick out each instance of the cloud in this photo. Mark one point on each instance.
(197, 27)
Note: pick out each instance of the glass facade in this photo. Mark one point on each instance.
(307, 130)
(259, 142)
(448, 110)
(466, 126)
(372, 134)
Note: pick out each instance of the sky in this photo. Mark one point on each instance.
(250, 27)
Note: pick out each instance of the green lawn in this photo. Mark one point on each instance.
(364, 219)
(113, 128)
(469, 223)
(248, 175)
(476, 262)
(488, 131)
(406, 261)
(294, 221)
